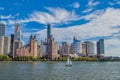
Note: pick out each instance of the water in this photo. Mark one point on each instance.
(58, 71)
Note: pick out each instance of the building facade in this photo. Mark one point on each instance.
(65, 49)
(48, 30)
(88, 48)
(84, 49)
(33, 46)
(5, 45)
(2, 45)
(18, 40)
(29, 50)
(2, 29)
(52, 52)
(77, 46)
(100, 47)
(43, 48)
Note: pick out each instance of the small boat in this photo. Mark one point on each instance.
(69, 63)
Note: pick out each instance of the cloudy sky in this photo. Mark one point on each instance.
(88, 20)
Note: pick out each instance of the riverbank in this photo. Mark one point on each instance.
(31, 58)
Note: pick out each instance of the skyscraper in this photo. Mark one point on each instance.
(17, 32)
(76, 46)
(43, 48)
(5, 45)
(12, 41)
(84, 49)
(48, 30)
(100, 47)
(52, 47)
(65, 49)
(33, 46)
(88, 48)
(2, 29)
(29, 50)
(18, 40)
(2, 45)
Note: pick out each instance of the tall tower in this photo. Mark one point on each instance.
(51, 49)
(89, 48)
(84, 49)
(48, 30)
(12, 46)
(2, 29)
(7, 45)
(17, 32)
(16, 43)
(2, 45)
(76, 46)
(100, 47)
(33, 46)
(65, 49)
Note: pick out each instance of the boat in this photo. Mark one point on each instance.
(69, 63)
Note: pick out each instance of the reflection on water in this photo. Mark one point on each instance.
(58, 71)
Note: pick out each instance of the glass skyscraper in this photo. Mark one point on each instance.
(77, 46)
(2, 29)
(100, 47)
(48, 31)
(88, 48)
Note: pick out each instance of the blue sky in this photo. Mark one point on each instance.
(85, 19)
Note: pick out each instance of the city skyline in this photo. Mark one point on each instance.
(86, 20)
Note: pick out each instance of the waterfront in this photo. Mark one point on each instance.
(58, 71)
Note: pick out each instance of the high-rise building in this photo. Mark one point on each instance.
(76, 46)
(17, 32)
(33, 46)
(43, 48)
(65, 49)
(2, 45)
(5, 45)
(88, 48)
(100, 47)
(18, 40)
(12, 41)
(2, 29)
(84, 49)
(52, 53)
(29, 50)
(48, 30)
(71, 49)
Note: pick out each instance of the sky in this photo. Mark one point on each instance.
(87, 20)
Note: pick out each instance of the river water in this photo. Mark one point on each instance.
(58, 71)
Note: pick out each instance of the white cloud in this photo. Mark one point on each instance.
(91, 5)
(6, 17)
(101, 26)
(93, 15)
(114, 2)
(55, 15)
(87, 10)
(76, 5)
